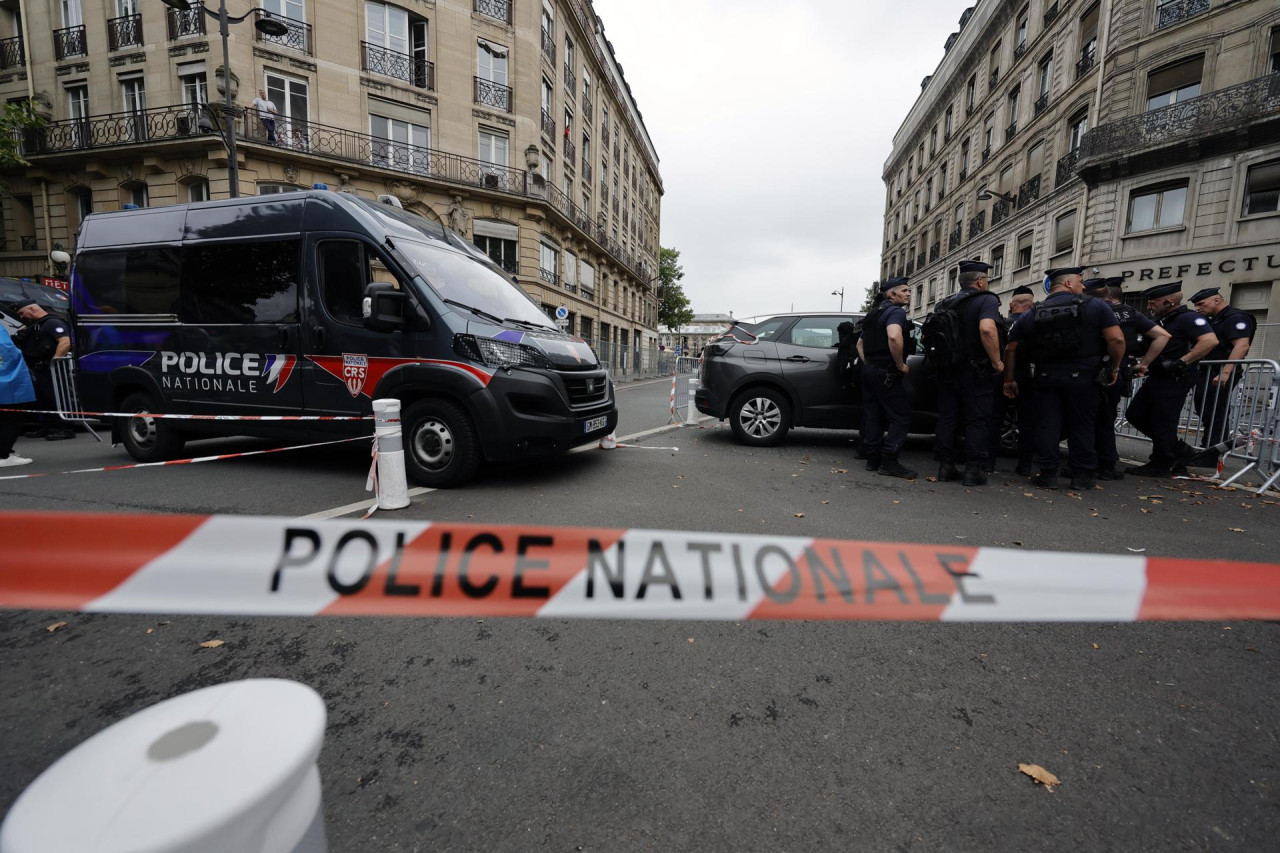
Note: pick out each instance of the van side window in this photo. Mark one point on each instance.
(816, 331)
(241, 283)
(134, 281)
(346, 267)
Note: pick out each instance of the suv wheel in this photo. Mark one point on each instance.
(440, 444)
(760, 417)
(148, 439)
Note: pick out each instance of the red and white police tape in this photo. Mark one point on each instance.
(239, 565)
(155, 416)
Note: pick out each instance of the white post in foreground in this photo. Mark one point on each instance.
(229, 767)
(393, 487)
(693, 409)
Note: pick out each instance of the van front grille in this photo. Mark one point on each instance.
(587, 390)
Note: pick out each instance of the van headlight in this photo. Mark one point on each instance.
(494, 353)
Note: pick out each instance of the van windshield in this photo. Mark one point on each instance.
(460, 279)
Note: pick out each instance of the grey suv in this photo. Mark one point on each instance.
(781, 372)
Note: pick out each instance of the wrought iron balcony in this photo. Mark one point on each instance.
(1224, 120)
(1028, 192)
(570, 81)
(920, 260)
(586, 169)
(1086, 63)
(185, 22)
(548, 125)
(549, 277)
(911, 265)
(617, 152)
(297, 37)
(977, 224)
(549, 46)
(1066, 168)
(415, 71)
(1042, 104)
(499, 10)
(126, 128)
(11, 52)
(955, 238)
(1168, 14)
(934, 252)
(125, 31)
(942, 193)
(1051, 14)
(1011, 131)
(946, 136)
(586, 106)
(604, 137)
(491, 94)
(999, 212)
(69, 41)
(964, 173)
(995, 78)
(28, 243)
(986, 154)
(570, 152)
(1020, 51)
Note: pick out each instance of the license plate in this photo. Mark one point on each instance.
(595, 424)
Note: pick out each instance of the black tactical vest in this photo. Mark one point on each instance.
(1061, 332)
(1179, 344)
(1126, 316)
(875, 338)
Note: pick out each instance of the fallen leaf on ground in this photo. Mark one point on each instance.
(1042, 776)
(931, 479)
(839, 470)
(211, 644)
(151, 630)
(691, 639)
(1028, 494)
(1251, 649)
(824, 503)
(1136, 550)
(55, 626)
(1095, 645)
(799, 515)
(1147, 511)
(1236, 529)
(1016, 542)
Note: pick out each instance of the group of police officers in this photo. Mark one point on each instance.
(1064, 363)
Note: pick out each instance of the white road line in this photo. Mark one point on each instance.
(624, 438)
(361, 505)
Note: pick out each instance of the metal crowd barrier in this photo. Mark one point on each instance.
(684, 381)
(65, 398)
(1244, 415)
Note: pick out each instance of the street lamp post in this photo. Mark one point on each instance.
(839, 293)
(267, 25)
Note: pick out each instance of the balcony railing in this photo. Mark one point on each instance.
(570, 81)
(999, 212)
(1168, 14)
(297, 37)
(549, 46)
(69, 41)
(126, 128)
(548, 125)
(995, 78)
(186, 22)
(28, 243)
(1086, 62)
(977, 224)
(911, 266)
(11, 52)
(1066, 168)
(934, 252)
(124, 31)
(586, 168)
(586, 105)
(920, 260)
(491, 94)
(1029, 192)
(986, 154)
(415, 71)
(570, 152)
(942, 193)
(1042, 104)
(1011, 131)
(964, 173)
(549, 277)
(955, 238)
(1020, 51)
(499, 10)
(1051, 14)
(1213, 114)
(604, 137)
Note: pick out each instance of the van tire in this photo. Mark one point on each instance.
(760, 417)
(148, 440)
(440, 445)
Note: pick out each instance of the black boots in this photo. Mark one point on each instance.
(947, 473)
(1046, 481)
(974, 475)
(891, 467)
(873, 463)
(1109, 472)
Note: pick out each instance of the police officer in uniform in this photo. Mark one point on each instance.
(1022, 300)
(1070, 335)
(1157, 405)
(883, 350)
(964, 396)
(1235, 330)
(44, 338)
(1138, 330)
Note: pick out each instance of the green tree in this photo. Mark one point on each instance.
(675, 309)
(14, 121)
(871, 296)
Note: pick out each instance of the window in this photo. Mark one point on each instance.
(568, 53)
(942, 181)
(135, 281)
(959, 215)
(498, 240)
(587, 278)
(292, 99)
(933, 142)
(1174, 83)
(1024, 249)
(964, 158)
(994, 64)
(1044, 75)
(988, 133)
(77, 102)
(293, 9)
(816, 331)
(1273, 66)
(400, 144)
(273, 188)
(198, 190)
(195, 86)
(135, 193)
(971, 92)
(250, 282)
(390, 30)
(910, 162)
(997, 261)
(1020, 40)
(1088, 38)
(953, 279)
(570, 270)
(1013, 108)
(1079, 125)
(1262, 188)
(133, 94)
(1157, 207)
(493, 147)
(491, 62)
(1064, 233)
(548, 262)
(947, 120)
(79, 205)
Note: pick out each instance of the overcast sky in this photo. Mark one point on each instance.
(773, 120)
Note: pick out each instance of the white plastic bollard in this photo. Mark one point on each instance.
(227, 768)
(393, 487)
(693, 409)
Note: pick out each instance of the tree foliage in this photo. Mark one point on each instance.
(16, 118)
(870, 298)
(675, 309)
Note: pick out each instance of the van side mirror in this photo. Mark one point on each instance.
(383, 307)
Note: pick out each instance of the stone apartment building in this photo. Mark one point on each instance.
(1135, 137)
(509, 120)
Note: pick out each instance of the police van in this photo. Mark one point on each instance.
(316, 303)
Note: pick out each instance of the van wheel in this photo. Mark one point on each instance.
(440, 445)
(760, 417)
(148, 439)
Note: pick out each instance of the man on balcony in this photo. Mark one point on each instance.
(266, 114)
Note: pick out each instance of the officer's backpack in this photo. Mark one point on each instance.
(1061, 332)
(36, 349)
(943, 340)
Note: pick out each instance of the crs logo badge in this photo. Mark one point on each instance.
(355, 369)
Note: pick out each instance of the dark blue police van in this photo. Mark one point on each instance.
(316, 303)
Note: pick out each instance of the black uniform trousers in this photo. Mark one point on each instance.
(964, 413)
(42, 379)
(995, 421)
(1105, 426)
(886, 413)
(1155, 410)
(1211, 402)
(1066, 400)
(10, 428)
(1027, 415)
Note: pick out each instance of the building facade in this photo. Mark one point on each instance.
(509, 120)
(1134, 137)
(694, 335)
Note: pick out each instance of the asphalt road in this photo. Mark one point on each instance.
(517, 735)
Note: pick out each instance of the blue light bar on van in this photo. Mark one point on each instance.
(319, 186)
(494, 353)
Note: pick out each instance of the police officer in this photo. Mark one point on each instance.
(883, 349)
(1157, 405)
(1137, 329)
(1235, 330)
(1070, 334)
(964, 395)
(44, 339)
(1022, 300)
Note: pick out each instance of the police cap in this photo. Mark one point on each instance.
(1095, 284)
(1162, 290)
(1060, 271)
(974, 266)
(22, 303)
(1023, 290)
(1115, 281)
(890, 283)
(1203, 294)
